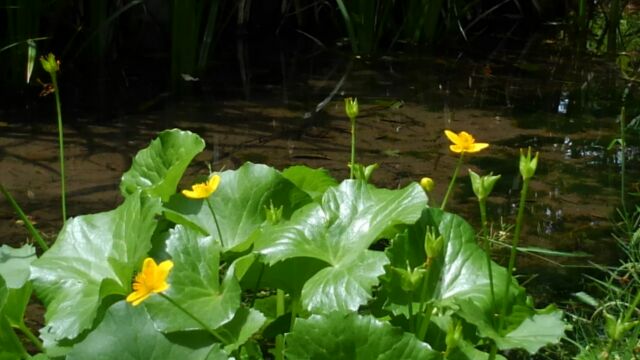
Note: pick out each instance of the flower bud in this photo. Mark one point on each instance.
(454, 335)
(482, 185)
(432, 244)
(527, 165)
(50, 64)
(273, 214)
(351, 107)
(427, 184)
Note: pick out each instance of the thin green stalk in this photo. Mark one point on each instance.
(189, 314)
(279, 312)
(216, 221)
(425, 307)
(353, 147)
(514, 245)
(623, 155)
(34, 339)
(32, 230)
(487, 249)
(63, 190)
(453, 181)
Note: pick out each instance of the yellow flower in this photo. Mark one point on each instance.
(464, 142)
(152, 279)
(427, 184)
(203, 190)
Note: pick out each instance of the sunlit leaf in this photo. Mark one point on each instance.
(15, 263)
(240, 203)
(338, 336)
(312, 181)
(195, 285)
(339, 231)
(127, 333)
(93, 257)
(158, 168)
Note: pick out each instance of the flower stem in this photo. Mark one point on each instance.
(189, 314)
(34, 339)
(425, 309)
(514, 245)
(353, 147)
(63, 190)
(487, 248)
(279, 312)
(453, 181)
(216, 221)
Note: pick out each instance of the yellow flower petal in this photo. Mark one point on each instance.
(478, 147)
(203, 190)
(151, 279)
(453, 137)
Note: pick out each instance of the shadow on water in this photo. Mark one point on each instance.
(287, 109)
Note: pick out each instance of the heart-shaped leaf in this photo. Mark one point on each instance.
(352, 336)
(195, 285)
(158, 168)
(93, 257)
(240, 204)
(312, 181)
(127, 333)
(339, 231)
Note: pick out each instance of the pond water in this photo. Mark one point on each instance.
(288, 109)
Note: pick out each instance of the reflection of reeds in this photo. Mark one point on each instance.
(366, 21)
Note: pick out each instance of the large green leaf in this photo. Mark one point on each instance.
(337, 336)
(10, 345)
(14, 264)
(312, 181)
(158, 168)
(93, 257)
(127, 333)
(459, 272)
(339, 231)
(240, 203)
(244, 324)
(195, 285)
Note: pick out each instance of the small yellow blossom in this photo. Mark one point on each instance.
(427, 184)
(464, 142)
(152, 279)
(203, 190)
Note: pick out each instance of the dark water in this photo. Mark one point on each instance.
(285, 107)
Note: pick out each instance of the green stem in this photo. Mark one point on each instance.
(63, 188)
(189, 314)
(514, 245)
(32, 230)
(623, 153)
(425, 308)
(487, 249)
(34, 339)
(453, 181)
(279, 312)
(215, 218)
(353, 147)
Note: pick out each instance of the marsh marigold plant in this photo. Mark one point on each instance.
(203, 190)
(463, 142)
(151, 280)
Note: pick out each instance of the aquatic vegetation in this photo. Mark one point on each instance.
(296, 273)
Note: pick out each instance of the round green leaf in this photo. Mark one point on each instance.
(337, 336)
(312, 181)
(195, 285)
(339, 231)
(14, 264)
(127, 333)
(158, 168)
(93, 257)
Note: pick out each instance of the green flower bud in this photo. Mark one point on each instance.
(432, 244)
(482, 185)
(427, 184)
(351, 107)
(362, 172)
(454, 335)
(273, 214)
(527, 165)
(50, 64)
